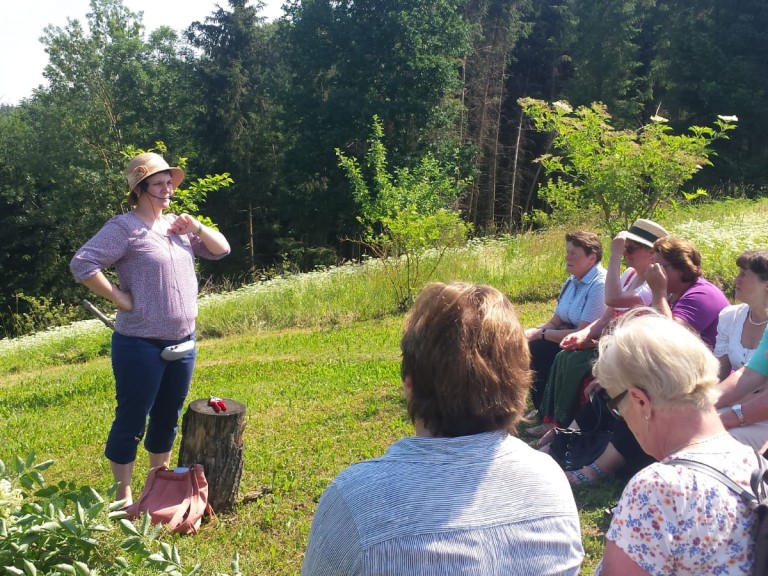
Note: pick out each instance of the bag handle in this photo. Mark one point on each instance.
(199, 508)
(759, 480)
(713, 472)
(183, 508)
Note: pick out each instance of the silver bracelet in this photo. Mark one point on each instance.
(199, 228)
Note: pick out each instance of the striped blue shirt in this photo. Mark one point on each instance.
(474, 505)
(583, 300)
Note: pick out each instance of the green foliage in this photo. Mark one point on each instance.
(620, 174)
(405, 214)
(33, 314)
(63, 530)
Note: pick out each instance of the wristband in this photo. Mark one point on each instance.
(544, 334)
(199, 228)
(739, 413)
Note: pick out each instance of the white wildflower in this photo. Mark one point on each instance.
(657, 118)
(563, 105)
(733, 118)
(10, 499)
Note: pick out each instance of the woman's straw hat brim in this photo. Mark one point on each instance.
(646, 232)
(145, 165)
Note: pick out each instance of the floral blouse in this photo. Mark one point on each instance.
(672, 520)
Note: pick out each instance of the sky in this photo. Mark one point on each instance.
(22, 57)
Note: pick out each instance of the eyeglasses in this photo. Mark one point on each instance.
(631, 248)
(613, 405)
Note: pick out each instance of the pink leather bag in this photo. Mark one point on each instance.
(177, 499)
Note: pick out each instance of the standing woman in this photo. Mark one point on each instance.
(156, 298)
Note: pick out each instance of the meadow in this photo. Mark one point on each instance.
(315, 359)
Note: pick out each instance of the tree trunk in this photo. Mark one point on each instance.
(215, 440)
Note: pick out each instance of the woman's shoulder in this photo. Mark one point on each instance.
(733, 311)
(704, 286)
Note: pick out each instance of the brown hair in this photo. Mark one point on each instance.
(755, 261)
(588, 242)
(467, 357)
(682, 255)
(133, 198)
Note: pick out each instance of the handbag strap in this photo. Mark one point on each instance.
(183, 508)
(713, 472)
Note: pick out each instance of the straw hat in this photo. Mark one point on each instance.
(144, 165)
(646, 232)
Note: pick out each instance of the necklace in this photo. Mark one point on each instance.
(749, 317)
(698, 442)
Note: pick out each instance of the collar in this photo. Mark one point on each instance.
(592, 275)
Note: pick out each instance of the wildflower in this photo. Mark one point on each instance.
(563, 105)
(10, 499)
(657, 118)
(733, 118)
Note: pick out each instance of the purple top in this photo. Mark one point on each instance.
(158, 271)
(700, 307)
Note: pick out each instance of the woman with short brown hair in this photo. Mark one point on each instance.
(463, 495)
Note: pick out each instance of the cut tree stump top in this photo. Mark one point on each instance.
(201, 407)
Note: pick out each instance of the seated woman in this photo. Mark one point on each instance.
(744, 400)
(672, 520)
(582, 300)
(743, 403)
(462, 496)
(573, 364)
(741, 326)
(681, 293)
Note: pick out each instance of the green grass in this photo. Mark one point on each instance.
(315, 359)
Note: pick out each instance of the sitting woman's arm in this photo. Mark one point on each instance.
(588, 335)
(617, 563)
(556, 334)
(554, 330)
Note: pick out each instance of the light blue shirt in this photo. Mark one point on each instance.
(758, 362)
(583, 300)
(472, 505)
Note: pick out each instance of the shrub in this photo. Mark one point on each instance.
(407, 220)
(620, 174)
(69, 530)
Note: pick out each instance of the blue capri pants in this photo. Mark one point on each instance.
(146, 386)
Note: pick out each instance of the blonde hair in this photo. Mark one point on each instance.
(467, 357)
(662, 357)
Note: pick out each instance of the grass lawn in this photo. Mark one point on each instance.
(315, 359)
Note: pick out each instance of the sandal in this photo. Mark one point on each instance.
(601, 474)
(540, 430)
(578, 477)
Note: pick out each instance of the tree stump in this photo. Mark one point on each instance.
(215, 440)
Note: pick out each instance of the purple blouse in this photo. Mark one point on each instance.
(700, 307)
(158, 270)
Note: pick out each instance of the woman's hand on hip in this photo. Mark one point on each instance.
(123, 300)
